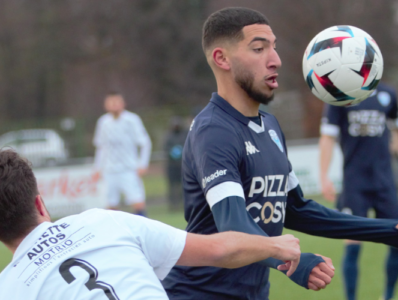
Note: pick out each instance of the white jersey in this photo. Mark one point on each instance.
(97, 254)
(117, 142)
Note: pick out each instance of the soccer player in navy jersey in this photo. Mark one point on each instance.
(368, 179)
(236, 173)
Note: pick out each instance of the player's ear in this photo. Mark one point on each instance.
(220, 58)
(41, 208)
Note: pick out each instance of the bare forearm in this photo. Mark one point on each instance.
(99, 158)
(238, 249)
(235, 249)
(145, 154)
(326, 144)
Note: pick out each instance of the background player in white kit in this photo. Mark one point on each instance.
(123, 150)
(102, 254)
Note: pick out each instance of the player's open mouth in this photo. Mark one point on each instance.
(271, 81)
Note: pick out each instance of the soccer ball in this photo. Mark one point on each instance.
(342, 65)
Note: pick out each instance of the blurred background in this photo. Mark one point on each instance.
(58, 59)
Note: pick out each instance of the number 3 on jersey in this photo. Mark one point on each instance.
(92, 282)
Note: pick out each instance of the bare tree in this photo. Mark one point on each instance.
(59, 58)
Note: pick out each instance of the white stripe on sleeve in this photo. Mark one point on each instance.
(330, 129)
(222, 191)
(293, 181)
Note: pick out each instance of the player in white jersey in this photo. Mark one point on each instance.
(123, 150)
(102, 254)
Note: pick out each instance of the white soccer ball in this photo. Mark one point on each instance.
(342, 65)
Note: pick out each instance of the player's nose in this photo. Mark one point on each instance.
(274, 61)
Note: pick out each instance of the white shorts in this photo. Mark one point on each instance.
(127, 183)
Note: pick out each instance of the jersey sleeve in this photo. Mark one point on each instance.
(143, 140)
(98, 133)
(98, 141)
(292, 181)
(216, 155)
(331, 120)
(161, 244)
(228, 216)
(310, 217)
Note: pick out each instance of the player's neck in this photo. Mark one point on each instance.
(14, 245)
(238, 98)
(116, 115)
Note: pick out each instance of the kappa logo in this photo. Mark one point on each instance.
(250, 149)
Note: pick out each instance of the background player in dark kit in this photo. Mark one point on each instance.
(368, 179)
(236, 174)
(173, 146)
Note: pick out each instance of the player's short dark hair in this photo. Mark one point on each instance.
(18, 190)
(228, 23)
(113, 93)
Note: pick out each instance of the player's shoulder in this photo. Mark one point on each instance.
(89, 216)
(98, 218)
(212, 132)
(129, 115)
(334, 110)
(212, 120)
(106, 216)
(92, 216)
(268, 117)
(270, 120)
(104, 118)
(384, 95)
(387, 96)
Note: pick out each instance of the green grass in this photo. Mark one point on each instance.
(371, 275)
(155, 186)
(5, 256)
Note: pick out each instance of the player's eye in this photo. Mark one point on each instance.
(258, 49)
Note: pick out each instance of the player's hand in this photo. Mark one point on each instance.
(394, 143)
(321, 275)
(142, 171)
(289, 252)
(328, 190)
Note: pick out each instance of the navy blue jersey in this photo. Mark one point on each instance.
(228, 158)
(364, 139)
(225, 147)
(226, 154)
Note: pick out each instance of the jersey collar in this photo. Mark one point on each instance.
(225, 106)
(121, 116)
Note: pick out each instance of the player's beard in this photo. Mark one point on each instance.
(245, 79)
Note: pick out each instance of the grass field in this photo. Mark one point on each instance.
(371, 276)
